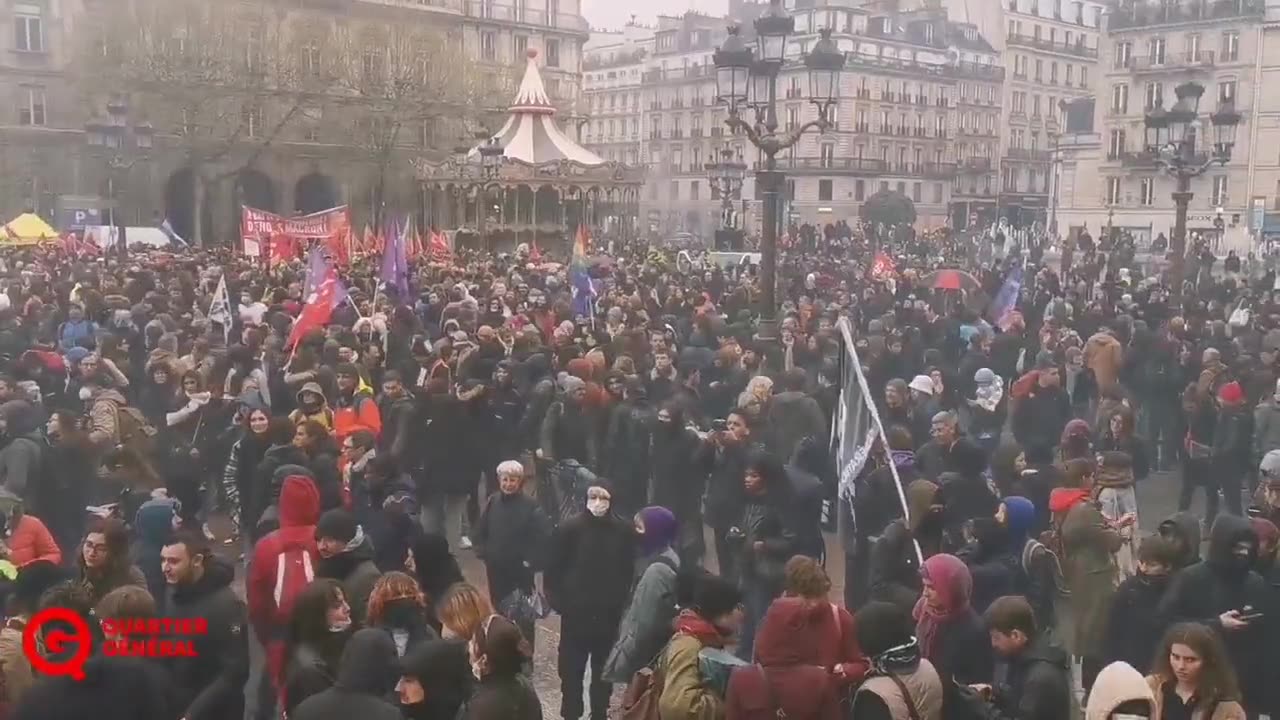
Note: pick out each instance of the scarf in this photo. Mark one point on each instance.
(900, 660)
(951, 578)
(694, 625)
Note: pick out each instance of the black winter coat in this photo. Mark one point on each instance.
(962, 651)
(511, 537)
(1202, 592)
(1133, 630)
(1036, 685)
(211, 684)
(114, 688)
(588, 573)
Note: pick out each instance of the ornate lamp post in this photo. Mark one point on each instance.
(727, 175)
(1172, 137)
(748, 78)
(123, 146)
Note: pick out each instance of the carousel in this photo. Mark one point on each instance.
(530, 182)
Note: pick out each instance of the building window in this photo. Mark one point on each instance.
(1053, 73)
(860, 190)
(1226, 92)
(1120, 99)
(917, 191)
(1084, 76)
(793, 117)
(1116, 145)
(827, 154)
(519, 46)
(1124, 53)
(675, 190)
(553, 53)
(1039, 70)
(901, 187)
(1193, 46)
(1147, 191)
(1219, 196)
(251, 119)
(1154, 96)
(937, 193)
(1155, 51)
(28, 30)
(488, 46)
(427, 133)
(1230, 46)
(31, 108)
(824, 191)
(694, 190)
(1113, 191)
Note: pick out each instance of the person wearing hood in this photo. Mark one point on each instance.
(710, 615)
(355, 408)
(299, 511)
(588, 580)
(346, 555)
(1183, 530)
(876, 503)
(1132, 628)
(628, 447)
(511, 537)
(567, 432)
(21, 458)
(993, 561)
(1224, 592)
(646, 626)
(1039, 570)
(1120, 692)
(1104, 356)
(153, 526)
(902, 684)
(1033, 676)
(312, 405)
(950, 632)
(211, 682)
(1088, 542)
(793, 414)
(784, 682)
(988, 408)
(366, 676)
(676, 483)
(25, 539)
(435, 568)
(433, 684)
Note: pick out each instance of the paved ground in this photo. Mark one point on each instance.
(1157, 499)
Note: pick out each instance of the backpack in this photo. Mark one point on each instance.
(294, 571)
(134, 432)
(1051, 539)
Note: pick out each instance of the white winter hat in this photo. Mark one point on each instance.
(922, 383)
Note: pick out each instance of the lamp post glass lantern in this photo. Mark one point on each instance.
(123, 145)
(1173, 136)
(748, 77)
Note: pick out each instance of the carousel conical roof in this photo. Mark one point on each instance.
(531, 134)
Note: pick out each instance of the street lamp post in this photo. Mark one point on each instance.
(726, 175)
(124, 145)
(747, 77)
(1172, 136)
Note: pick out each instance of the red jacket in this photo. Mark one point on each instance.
(299, 512)
(361, 414)
(31, 541)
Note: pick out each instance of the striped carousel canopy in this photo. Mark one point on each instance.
(531, 135)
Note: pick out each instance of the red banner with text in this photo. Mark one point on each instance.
(277, 239)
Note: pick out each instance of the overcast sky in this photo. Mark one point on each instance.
(612, 14)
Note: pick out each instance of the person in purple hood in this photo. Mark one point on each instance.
(646, 626)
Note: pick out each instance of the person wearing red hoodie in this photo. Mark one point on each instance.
(785, 683)
(269, 614)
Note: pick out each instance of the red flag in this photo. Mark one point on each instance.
(535, 255)
(367, 244)
(439, 247)
(89, 244)
(339, 246)
(282, 249)
(882, 267)
(318, 310)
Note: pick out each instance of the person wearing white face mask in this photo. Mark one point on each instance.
(498, 652)
(588, 581)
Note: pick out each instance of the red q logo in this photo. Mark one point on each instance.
(58, 641)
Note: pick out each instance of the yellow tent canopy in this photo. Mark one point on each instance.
(27, 229)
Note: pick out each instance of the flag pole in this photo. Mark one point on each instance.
(847, 334)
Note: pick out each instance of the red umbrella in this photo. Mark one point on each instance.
(950, 280)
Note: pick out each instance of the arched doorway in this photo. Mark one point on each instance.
(313, 193)
(179, 206)
(253, 189)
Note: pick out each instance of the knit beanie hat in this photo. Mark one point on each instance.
(337, 524)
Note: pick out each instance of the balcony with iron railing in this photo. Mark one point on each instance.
(1077, 49)
(1172, 61)
(521, 15)
(1148, 159)
(1154, 13)
(976, 165)
(830, 166)
(693, 72)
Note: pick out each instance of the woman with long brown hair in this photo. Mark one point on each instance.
(398, 607)
(103, 559)
(462, 609)
(1192, 677)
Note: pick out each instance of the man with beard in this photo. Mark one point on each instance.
(210, 683)
(567, 433)
(355, 408)
(397, 409)
(1225, 593)
(1042, 409)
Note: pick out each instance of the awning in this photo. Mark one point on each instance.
(27, 229)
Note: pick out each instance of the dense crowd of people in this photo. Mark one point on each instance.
(657, 472)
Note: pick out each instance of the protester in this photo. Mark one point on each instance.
(782, 683)
(710, 616)
(902, 684)
(319, 628)
(398, 608)
(950, 632)
(1193, 677)
(104, 560)
(433, 684)
(366, 676)
(1132, 628)
(1118, 692)
(346, 555)
(1034, 675)
(646, 625)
